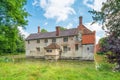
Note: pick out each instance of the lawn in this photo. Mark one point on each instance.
(29, 69)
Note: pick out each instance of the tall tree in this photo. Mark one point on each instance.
(43, 30)
(12, 14)
(109, 16)
(62, 28)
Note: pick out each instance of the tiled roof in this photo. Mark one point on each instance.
(84, 29)
(68, 32)
(53, 46)
(88, 38)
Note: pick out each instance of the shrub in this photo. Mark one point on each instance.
(6, 59)
(104, 67)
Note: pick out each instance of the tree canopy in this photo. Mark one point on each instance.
(62, 28)
(109, 16)
(12, 15)
(43, 30)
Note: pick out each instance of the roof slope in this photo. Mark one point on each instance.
(68, 32)
(88, 37)
(53, 46)
(84, 29)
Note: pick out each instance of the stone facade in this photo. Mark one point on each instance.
(72, 44)
(69, 49)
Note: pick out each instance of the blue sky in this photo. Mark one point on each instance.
(51, 13)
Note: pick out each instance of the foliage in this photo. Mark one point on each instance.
(43, 30)
(100, 53)
(110, 47)
(104, 67)
(10, 40)
(109, 17)
(6, 59)
(20, 44)
(62, 28)
(12, 15)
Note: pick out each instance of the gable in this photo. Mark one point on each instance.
(88, 39)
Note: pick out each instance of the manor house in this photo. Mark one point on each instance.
(74, 43)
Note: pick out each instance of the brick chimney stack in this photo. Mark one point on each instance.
(57, 30)
(38, 29)
(80, 20)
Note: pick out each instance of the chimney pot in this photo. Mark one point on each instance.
(80, 20)
(38, 29)
(57, 30)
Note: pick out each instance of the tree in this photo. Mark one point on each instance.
(62, 28)
(109, 16)
(12, 15)
(43, 30)
(20, 44)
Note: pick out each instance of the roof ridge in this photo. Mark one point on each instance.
(52, 46)
(53, 31)
(86, 28)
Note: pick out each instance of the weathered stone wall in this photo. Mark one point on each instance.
(88, 52)
(82, 51)
(52, 55)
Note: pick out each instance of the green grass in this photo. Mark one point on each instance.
(29, 69)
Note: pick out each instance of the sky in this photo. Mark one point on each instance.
(51, 13)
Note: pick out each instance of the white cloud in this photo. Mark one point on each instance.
(97, 38)
(70, 25)
(96, 27)
(23, 32)
(97, 4)
(46, 23)
(57, 9)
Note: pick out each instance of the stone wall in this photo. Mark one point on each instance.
(82, 52)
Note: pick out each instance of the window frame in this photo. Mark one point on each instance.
(28, 42)
(49, 50)
(65, 48)
(76, 47)
(65, 39)
(38, 49)
(53, 39)
(38, 40)
(46, 40)
(88, 48)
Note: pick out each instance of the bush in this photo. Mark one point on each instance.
(6, 59)
(104, 67)
(100, 53)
